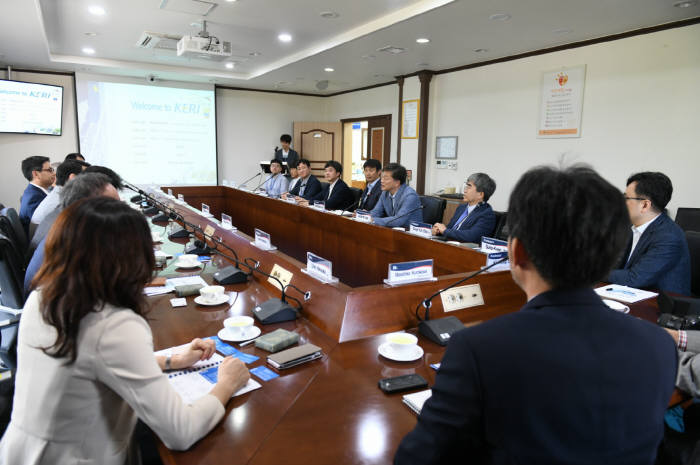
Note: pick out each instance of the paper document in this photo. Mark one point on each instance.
(416, 400)
(624, 293)
(185, 281)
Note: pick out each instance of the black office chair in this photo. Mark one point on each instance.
(433, 208)
(357, 193)
(500, 231)
(688, 219)
(11, 227)
(11, 275)
(693, 238)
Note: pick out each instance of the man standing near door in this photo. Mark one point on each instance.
(287, 154)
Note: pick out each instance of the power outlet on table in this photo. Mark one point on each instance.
(280, 273)
(462, 297)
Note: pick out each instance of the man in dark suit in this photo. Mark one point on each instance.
(657, 253)
(565, 380)
(38, 171)
(372, 169)
(398, 205)
(286, 154)
(475, 218)
(336, 195)
(307, 186)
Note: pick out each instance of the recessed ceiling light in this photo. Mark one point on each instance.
(285, 37)
(562, 31)
(230, 1)
(328, 14)
(229, 65)
(96, 10)
(685, 3)
(91, 34)
(481, 50)
(500, 17)
(88, 50)
(328, 70)
(422, 40)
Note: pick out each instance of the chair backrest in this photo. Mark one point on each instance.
(688, 219)
(433, 208)
(11, 227)
(11, 275)
(357, 193)
(693, 238)
(501, 231)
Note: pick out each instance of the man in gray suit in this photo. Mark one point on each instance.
(399, 203)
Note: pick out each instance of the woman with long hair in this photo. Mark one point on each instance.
(86, 368)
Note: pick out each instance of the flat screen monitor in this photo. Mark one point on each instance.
(30, 108)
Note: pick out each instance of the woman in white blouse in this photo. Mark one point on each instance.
(86, 368)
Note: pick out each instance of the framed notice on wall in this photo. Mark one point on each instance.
(561, 102)
(409, 120)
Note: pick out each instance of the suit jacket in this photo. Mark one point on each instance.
(660, 260)
(480, 222)
(292, 157)
(31, 198)
(406, 200)
(313, 187)
(565, 380)
(369, 200)
(341, 197)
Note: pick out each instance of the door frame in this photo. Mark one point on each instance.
(387, 135)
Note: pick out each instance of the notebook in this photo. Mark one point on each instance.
(416, 400)
(294, 356)
(198, 380)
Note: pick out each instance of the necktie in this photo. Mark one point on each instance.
(301, 188)
(462, 218)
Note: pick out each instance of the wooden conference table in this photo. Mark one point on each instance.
(329, 410)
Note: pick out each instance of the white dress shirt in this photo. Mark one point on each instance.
(637, 232)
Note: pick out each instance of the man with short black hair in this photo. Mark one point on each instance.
(287, 154)
(38, 171)
(75, 156)
(657, 254)
(475, 218)
(372, 169)
(307, 186)
(336, 195)
(399, 204)
(114, 178)
(565, 379)
(276, 183)
(65, 172)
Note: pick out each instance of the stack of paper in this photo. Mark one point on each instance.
(416, 400)
(624, 293)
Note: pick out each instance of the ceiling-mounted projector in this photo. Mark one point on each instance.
(209, 48)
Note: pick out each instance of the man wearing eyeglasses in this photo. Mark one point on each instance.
(41, 176)
(657, 253)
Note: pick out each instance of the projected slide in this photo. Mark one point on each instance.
(149, 134)
(30, 108)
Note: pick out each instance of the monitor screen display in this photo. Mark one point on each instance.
(30, 108)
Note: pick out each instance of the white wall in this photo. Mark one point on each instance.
(641, 112)
(371, 102)
(16, 147)
(249, 125)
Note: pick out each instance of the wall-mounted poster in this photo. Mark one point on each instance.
(561, 102)
(409, 121)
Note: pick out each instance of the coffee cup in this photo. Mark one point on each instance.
(211, 293)
(156, 236)
(238, 326)
(188, 259)
(402, 343)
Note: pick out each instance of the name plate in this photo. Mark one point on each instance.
(421, 229)
(181, 198)
(319, 204)
(492, 258)
(363, 216)
(226, 222)
(410, 272)
(262, 240)
(205, 210)
(319, 268)
(489, 244)
(170, 192)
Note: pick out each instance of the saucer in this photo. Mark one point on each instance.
(617, 306)
(385, 350)
(221, 300)
(253, 332)
(179, 264)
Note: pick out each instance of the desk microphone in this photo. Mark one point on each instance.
(440, 330)
(259, 186)
(405, 214)
(250, 179)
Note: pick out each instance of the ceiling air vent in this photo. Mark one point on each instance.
(158, 40)
(391, 49)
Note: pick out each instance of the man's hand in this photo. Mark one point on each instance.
(438, 228)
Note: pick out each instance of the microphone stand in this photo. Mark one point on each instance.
(405, 214)
(250, 179)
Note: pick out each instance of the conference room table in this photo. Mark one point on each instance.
(329, 410)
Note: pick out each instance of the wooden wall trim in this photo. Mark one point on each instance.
(399, 81)
(424, 77)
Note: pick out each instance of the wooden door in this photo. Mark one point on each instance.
(318, 142)
(379, 138)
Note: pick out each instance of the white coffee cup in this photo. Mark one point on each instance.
(211, 293)
(402, 343)
(156, 236)
(189, 259)
(239, 325)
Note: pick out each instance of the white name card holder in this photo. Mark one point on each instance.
(319, 205)
(262, 241)
(319, 268)
(410, 272)
(205, 211)
(490, 245)
(181, 199)
(170, 193)
(493, 257)
(421, 229)
(363, 216)
(226, 223)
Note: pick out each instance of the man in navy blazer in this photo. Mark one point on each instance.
(657, 253)
(38, 171)
(336, 195)
(565, 380)
(475, 218)
(373, 189)
(286, 154)
(399, 203)
(307, 186)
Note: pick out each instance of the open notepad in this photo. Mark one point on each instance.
(196, 382)
(416, 400)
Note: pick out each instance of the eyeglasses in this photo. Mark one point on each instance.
(634, 198)
(50, 170)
